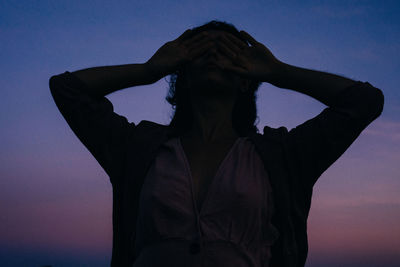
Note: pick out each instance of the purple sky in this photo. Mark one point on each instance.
(56, 201)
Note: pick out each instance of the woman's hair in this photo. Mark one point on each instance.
(244, 113)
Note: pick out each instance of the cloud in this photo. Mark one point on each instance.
(387, 129)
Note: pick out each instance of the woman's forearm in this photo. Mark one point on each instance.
(322, 86)
(107, 79)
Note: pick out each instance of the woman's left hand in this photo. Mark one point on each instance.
(254, 62)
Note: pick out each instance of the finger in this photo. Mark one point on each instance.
(228, 43)
(248, 37)
(241, 71)
(199, 50)
(195, 39)
(226, 50)
(198, 44)
(240, 43)
(184, 35)
(235, 62)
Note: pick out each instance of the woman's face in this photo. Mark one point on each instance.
(206, 79)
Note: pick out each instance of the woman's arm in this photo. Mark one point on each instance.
(256, 62)
(104, 80)
(323, 86)
(80, 98)
(168, 58)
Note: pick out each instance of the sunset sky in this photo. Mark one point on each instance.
(56, 200)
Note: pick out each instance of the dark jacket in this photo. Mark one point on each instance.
(294, 159)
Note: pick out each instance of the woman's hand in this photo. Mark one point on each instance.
(174, 54)
(254, 62)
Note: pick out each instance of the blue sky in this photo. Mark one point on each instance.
(46, 172)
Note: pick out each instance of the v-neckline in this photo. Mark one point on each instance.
(217, 173)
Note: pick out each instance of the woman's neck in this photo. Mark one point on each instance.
(212, 120)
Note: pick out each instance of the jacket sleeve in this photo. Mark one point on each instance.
(316, 144)
(102, 131)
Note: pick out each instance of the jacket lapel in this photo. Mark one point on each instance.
(271, 150)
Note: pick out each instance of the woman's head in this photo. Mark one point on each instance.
(199, 79)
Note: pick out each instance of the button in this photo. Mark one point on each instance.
(194, 248)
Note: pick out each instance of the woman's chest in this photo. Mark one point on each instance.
(204, 164)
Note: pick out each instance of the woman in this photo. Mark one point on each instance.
(208, 189)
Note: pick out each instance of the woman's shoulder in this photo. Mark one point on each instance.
(149, 130)
(274, 133)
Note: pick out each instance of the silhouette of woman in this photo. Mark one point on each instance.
(209, 189)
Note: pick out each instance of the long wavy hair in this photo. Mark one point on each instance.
(244, 114)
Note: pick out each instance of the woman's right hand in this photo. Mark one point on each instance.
(174, 54)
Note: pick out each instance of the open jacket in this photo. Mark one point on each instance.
(294, 159)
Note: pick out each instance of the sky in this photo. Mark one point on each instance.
(56, 200)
